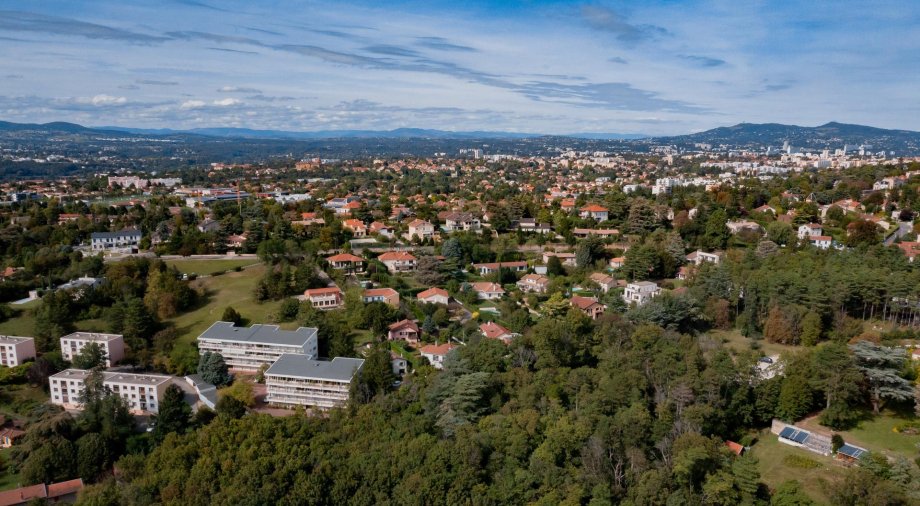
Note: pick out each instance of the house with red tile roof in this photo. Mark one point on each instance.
(346, 262)
(62, 492)
(436, 353)
(536, 283)
(488, 291)
(324, 298)
(589, 306)
(404, 330)
(493, 267)
(356, 227)
(398, 261)
(434, 295)
(594, 211)
(493, 330)
(385, 295)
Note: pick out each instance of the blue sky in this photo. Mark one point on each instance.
(655, 67)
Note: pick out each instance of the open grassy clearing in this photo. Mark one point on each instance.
(233, 289)
(877, 434)
(775, 469)
(734, 340)
(8, 480)
(209, 267)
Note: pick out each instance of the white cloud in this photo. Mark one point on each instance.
(227, 102)
(108, 100)
(192, 104)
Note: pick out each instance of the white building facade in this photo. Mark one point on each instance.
(15, 350)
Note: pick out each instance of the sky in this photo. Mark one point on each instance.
(655, 67)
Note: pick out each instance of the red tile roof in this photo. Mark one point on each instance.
(431, 292)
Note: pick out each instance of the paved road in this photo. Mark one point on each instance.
(904, 228)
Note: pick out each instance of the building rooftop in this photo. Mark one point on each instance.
(258, 333)
(14, 339)
(93, 336)
(340, 369)
(113, 235)
(117, 377)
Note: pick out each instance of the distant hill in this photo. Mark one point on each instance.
(830, 135)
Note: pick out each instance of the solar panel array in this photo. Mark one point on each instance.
(852, 451)
(795, 435)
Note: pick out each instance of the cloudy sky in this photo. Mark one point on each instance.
(662, 67)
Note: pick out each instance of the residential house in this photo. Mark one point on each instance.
(346, 262)
(112, 344)
(617, 262)
(330, 297)
(590, 306)
(382, 229)
(738, 226)
(398, 364)
(564, 258)
(247, 349)
(357, 228)
(594, 212)
(454, 222)
(301, 380)
(640, 292)
(64, 492)
(209, 225)
(142, 392)
(700, 256)
(385, 295)
(398, 261)
(911, 249)
(15, 350)
(404, 330)
(492, 268)
(604, 281)
(436, 353)
(807, 230)
(8, 436)
(821, 241)
(488, 291)
(603, 233)
(124, 239)
(420, 229)
(530, 225)
(536, 283)
(493, 330)
(434, 295)
(765, 209)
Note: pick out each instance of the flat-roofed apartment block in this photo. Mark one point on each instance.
(112, 344)
(246, 349)
(15, 350)
(298, 380)
(141, 391)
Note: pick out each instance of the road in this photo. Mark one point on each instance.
(904, 228)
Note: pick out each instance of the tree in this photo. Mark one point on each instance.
(173, 414)
(213, 369)
(53, 319)
(795, 398)
(779, 327)
(881, 366)
(790, 493)
(811, 329)
(642, 217)
(230, 407)
(90, 357)
(452, 249)
(242, 391)
(376, 375)
(862, 232)
(781, 233)
(554, 266)
(715, 233)
(93, 457)
(555, 307)
(231, 315)
(766, 248)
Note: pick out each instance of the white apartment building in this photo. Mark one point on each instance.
(247, 349)
(141, 391)
(299, 380)
(15, 350)
(112, 344)
(640, 292)
(101, 241)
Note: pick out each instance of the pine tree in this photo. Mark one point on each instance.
(173, 414)
(213, 369)
(882, 366)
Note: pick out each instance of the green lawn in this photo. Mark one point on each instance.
(774, 471)
(18, 401)
(231, 289)
(21, 325)
(734, 340)
(7, 479)
(209, 267)
(877, 435)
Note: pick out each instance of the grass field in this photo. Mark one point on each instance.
(231, 289)
(877, 434)
(18, 401)
(21, 325)
(734, 340)
(774, 471)
(7, 479)
(209, 267)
